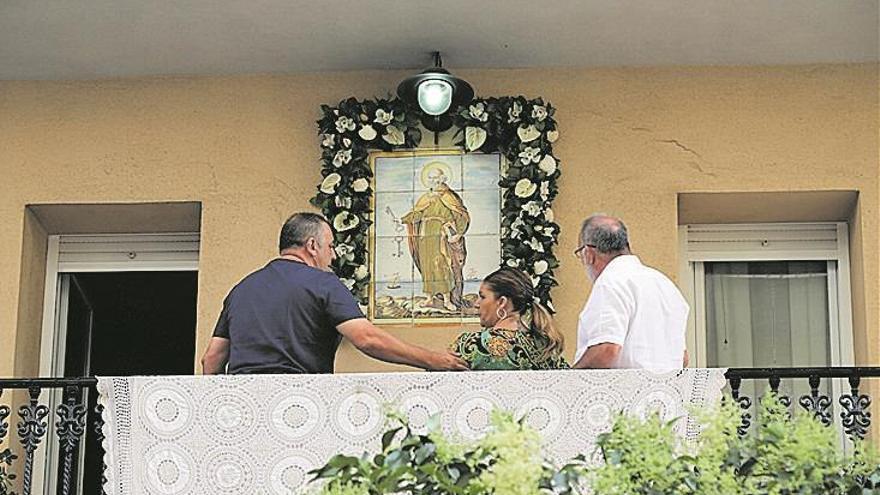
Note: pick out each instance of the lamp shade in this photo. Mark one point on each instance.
(434, 96)
(435, 91)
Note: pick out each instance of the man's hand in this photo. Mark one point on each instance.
(602, 355)
(215, 358)
(447, 361)
(378, 343)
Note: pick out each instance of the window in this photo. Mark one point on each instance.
(767, 295)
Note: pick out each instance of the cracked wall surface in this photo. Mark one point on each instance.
(246, 148)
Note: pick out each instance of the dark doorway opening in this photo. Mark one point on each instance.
(127, 323)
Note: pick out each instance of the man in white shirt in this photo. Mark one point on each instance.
(635, 316)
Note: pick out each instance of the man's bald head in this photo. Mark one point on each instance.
(606, 234)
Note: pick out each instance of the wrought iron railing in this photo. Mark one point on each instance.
(73, 418)
(855, 414)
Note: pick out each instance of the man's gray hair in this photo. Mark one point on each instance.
(299, 228)
(606, 234)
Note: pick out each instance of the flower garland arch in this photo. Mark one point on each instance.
(522, 130)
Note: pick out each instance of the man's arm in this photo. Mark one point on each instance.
(602, 355)
(215, 358)
(380, 344)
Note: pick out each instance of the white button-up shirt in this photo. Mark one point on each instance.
(638, 308)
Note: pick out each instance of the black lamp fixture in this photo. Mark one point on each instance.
(435, 91)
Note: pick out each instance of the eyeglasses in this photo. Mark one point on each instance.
(577, 252)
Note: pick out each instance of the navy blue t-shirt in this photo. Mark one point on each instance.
(282, 319)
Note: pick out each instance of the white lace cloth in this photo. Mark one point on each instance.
(260, 434)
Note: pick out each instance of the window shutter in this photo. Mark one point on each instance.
(132, 252)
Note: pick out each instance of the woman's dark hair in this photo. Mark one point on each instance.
(515, 285)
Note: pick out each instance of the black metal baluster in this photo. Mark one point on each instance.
(70, 427)
(743, 403)
(855, 416)
(99, 437)
(31, 429)
(817, 404)
(774, 387)
(4, 413)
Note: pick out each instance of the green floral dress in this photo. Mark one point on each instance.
(503, 349)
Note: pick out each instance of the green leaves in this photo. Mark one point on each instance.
(506, 461)
(786, 455)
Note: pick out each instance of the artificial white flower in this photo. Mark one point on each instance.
(346, 142)
(527, 133)
(342, 202)
(515, 231)
(547, 164)
(536, 281)
(383, 117)
(545, 190)
(393, 135)
(513, 112)
(513, 263)
(478, 111)
(540, 267)
(474, 137)
(549, 231)
(328, 140)
(539, 112)
(536, 245)
(548, 215)
(345, 252)
(328, 185)
(533, 208)
(343, 249)
(347, 282)
(530, 155)
(552, 136)
(361, 272)
(524, 188)
(344, 124)
(345, 220)
(360, 185)
(367, 133)
(341, 158)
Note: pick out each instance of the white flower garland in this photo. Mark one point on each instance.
(522, 130)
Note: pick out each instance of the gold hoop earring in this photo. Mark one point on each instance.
(499, 315)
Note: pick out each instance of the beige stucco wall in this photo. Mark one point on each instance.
(245, 147)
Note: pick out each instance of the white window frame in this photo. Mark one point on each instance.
(89, 254)
(822, 241)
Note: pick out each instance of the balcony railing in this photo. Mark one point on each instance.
(855, 415)
(75, 419)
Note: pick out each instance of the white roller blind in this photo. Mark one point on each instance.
(133, 252)
(782, 241)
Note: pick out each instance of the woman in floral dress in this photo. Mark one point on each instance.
(518, 332)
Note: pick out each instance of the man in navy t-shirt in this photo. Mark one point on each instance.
(289, 316)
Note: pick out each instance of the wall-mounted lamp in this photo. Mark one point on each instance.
(435, 91)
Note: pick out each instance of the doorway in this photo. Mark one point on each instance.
(122, 305)
(121, 324)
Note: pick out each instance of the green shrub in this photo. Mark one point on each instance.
(507, 460)
(787, 455)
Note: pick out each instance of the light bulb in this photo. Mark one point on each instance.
(435, 96)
